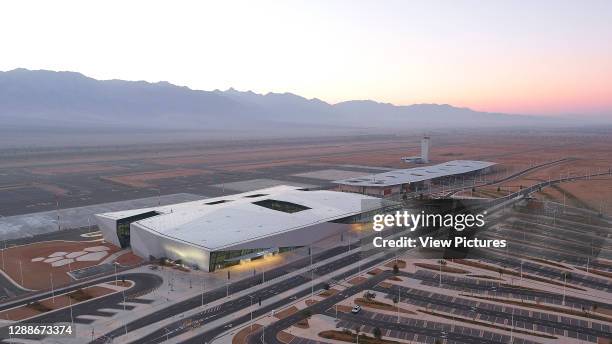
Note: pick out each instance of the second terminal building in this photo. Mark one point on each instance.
(213, 233)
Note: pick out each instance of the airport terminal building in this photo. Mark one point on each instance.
(213, 233)
(396, 182)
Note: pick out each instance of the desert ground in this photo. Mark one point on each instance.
(43, 179)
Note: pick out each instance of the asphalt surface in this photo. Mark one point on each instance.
(143, 283)
(8, 290)
(218, 159)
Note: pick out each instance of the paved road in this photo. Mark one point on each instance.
(8, 290)
(143, 283)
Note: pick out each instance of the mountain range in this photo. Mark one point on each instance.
(49, 99)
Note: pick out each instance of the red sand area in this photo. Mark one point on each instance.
(37, 275)
(139, 180)
(73, 169)
(128, 259)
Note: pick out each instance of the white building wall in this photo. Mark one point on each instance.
(108, 227)
(145, 244)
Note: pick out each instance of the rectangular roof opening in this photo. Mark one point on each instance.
(218, 202)
(285, 207)
(255, 195)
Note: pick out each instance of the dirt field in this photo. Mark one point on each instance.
(36, 275)
(74, 169)
(128, 259)
(258, 166)
(139, 180)
(242, 335)
(285, 312)
(80, 176)
(594, 194)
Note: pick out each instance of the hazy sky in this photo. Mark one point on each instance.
(550, 57)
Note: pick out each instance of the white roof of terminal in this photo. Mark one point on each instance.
(417, 174)
(215, 223)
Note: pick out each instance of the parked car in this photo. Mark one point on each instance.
(356, 309)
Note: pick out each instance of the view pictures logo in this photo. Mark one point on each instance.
(413, 221)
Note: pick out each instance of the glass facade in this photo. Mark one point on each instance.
(123, 227)
(222, 259)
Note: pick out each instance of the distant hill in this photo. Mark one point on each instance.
(47, 99)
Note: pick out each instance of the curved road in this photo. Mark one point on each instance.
(143, 283)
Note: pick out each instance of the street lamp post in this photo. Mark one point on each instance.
(203, 288)
(398, 303)
(124, 309)
(71, 316)
(3, 254)
(251, 309)
(52, 290)
(564, 284)
(311, 274)
(21, 271)
(587, 265)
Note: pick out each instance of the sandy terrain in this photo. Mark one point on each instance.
(37, 274)
(128, 259)
(139, 180)
(80, 177)
(75, 168)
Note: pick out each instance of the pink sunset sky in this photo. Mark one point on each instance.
(527, 57)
